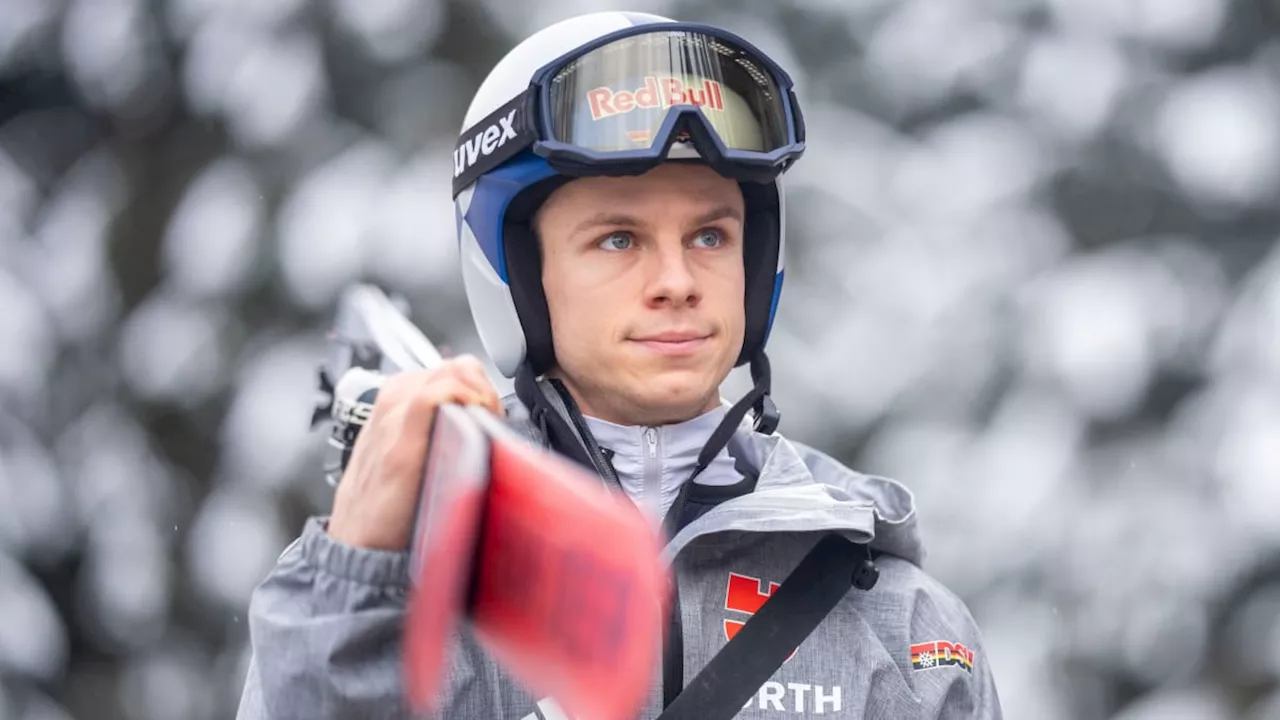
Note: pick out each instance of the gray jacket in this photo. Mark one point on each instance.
(325, 624)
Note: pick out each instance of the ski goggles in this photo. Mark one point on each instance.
(618, 105)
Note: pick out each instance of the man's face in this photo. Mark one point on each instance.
(645, 284)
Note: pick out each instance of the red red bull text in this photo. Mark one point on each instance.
(606, 102)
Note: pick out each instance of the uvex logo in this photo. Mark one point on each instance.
(484, 142)
(746, 595)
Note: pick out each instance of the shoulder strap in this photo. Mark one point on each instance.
(804, 598)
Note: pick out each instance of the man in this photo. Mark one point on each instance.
(620, 222)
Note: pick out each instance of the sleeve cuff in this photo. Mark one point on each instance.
(379, 568)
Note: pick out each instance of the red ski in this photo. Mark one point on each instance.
(560, 577)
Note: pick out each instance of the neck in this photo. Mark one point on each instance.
(653, 462)
(611, 408)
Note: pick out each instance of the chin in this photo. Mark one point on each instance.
(677, 395)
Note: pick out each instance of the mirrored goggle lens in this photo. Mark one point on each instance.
(616, 97)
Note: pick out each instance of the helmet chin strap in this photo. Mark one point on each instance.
(571, 436)
(757, 400)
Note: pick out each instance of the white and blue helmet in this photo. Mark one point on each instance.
(568, 102)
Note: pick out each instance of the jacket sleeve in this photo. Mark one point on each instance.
(325, 628)
(957, 679)
(983, 702)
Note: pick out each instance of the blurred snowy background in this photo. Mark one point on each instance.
(1034, 273)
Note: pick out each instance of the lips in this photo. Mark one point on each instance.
(674, 336)
(674, 342)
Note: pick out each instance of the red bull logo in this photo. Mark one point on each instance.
(656, 93)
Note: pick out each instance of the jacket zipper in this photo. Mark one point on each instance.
(652, 473)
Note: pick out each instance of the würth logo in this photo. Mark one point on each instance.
(484, 142)
(746, 595)
(940, 653)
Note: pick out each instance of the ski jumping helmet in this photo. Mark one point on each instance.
(616, 93)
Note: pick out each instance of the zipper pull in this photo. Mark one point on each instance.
(651, 439)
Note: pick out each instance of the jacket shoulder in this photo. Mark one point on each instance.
(897, 528)
(933, 637)
(921, 606)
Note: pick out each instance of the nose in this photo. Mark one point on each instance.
(673, 282)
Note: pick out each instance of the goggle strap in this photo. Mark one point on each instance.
(500, 136)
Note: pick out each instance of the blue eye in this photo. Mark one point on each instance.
(709, 238)
(616, 241)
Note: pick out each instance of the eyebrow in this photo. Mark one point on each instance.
(616, 219)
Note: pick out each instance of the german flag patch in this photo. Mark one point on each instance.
(940, 653)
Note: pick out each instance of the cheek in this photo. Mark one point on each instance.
(558, 287)
(579, 313)
(731, 289)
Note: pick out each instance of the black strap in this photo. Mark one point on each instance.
(602, 464)
(766, 413)
(555, 430)
(725, 685)
(500, 136)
